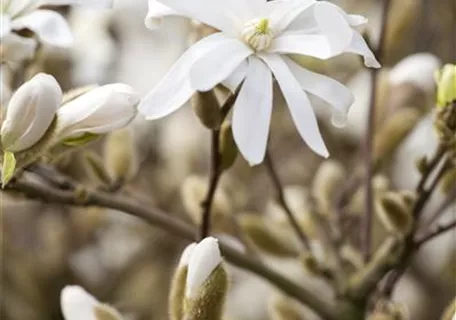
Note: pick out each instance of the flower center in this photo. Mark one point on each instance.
(257, 34)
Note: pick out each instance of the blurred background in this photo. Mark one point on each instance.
(128, 263)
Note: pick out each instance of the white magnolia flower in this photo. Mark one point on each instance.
(252, 46)
(48, 25)
(157, 12)
(185, 257)
(30, 112)
(202, 259)
(98, 111)
(78, 304)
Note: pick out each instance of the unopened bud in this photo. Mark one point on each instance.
(120, 156)
(327, 181)
(282, 308)
(448, 182)
(95, 169)
(446, 85)
(228, 147)
(422, 164)
(310, 264)
(264, 237)
(207, 109)
(395, 213)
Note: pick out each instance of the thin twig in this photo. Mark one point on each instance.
(366, 227)
(283, 202)
(167, 222)
(437, 231)
(450, 198)
(435, 160)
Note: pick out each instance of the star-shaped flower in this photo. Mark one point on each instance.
(252, 49)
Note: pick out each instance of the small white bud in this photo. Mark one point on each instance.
(30, 113)
(99, 111)
(203, 260)
(185, 257)
(78, 304)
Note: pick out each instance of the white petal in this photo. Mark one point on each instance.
(328, 89)
(298, 103)
(236, 77)
(220, 14)
(186, 254)
(156, 13)
(334, 25)
(359, 46)
(174, 89)
(87, 3)
(77, 304)
(5, 25)
(49, 26)
(313, 45)
(17, 49)
(252, 112)
(284, 12)
(218, 64)
(204, 259)
(356, 20)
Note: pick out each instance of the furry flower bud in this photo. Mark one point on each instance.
(99, 111)
(30, 113)
(77, 304)
(446, 85)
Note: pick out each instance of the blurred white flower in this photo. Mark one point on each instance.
(48, 25)
(202, 259)
(253, 44)
(99, 111)
(15, 48)
(30, 113)
(78, 304)
(156, 13)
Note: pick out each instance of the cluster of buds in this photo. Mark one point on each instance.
(445, 122)
(35, 121)
(200, 283)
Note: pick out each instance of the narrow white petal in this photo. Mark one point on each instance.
(174, 90)
(298, 103)
(156, 13)
(5, 25)
(356, 20)
(252, 112)
(87, 3)
(203, 260)
(313, 45)
(49, 26)
(359, 46)
(236, 77)
(326, 88)
(77, 304)
(284, 12)
(220, 14)
(218, 64)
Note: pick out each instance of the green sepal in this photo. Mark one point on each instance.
(80, 140)
(8, 168)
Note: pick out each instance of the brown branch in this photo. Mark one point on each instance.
(366, 227)
(437, 231)
(165, 221)
(283, 202)
(450, 198)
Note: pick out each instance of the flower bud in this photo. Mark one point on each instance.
(450, 311)
(77, 304)
(228, 147)
(207, 282)
(328, 179)
(97, 112)
(95, 169)
(207, 109)
(284, 308)
(395, 213)
(446, 85)
(30, 113)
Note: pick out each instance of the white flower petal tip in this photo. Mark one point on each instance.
(339, 120)
(77, 304)
(157, 12)
(186, 254)
(204, 259)
(101, 110)
(417, 69)
(30, 113)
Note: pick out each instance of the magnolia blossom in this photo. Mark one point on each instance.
(202, 259)
(251, 48)
(48, 25)
(30, 113)
(99, 111)
(78, 304)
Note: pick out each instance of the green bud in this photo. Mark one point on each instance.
(310, 264)
(210, 300)
(395, 213)
(422, 164)
(228, 147)
(327, 181)
(95, 169)
(105, 312)
(177, 293)
(207, 109)
(80, 140)
(446, 85)
(448, 181)
(263, 236)
(283, 308)
(8, 167)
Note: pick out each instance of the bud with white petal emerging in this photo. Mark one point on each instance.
(207, 282)
(30, 113)
(77, 304)
(96, 112)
